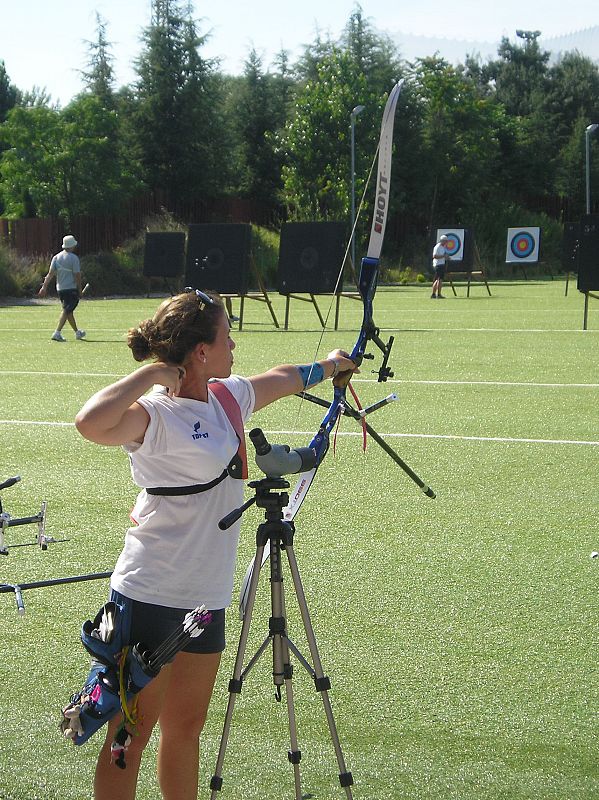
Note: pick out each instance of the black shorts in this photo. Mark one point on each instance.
(439, 271)
(151, 624)
(69, 299)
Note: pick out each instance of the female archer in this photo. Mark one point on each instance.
(180, 419)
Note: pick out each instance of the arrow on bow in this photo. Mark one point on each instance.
(367, 284)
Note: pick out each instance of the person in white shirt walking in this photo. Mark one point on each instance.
(65, 267)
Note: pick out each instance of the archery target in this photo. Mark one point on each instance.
(219, 257)
(310, 257)
(164, 254)
(522, 245)
(455, 245)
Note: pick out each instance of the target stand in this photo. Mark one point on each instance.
(464, 258)
(586, 308)
(261, 296)
(311, 298)
(475, 272)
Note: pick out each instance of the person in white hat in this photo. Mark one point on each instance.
(440, 261)
(65, 267)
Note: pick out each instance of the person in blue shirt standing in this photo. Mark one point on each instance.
(65, 267)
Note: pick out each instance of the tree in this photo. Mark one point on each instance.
(572, 102)
(28, 166)
(360, 70)
(520, 74)
(258, 116)
(374, 54)
(178, 118)
(99, 76)
(570, 173)
(36, 97)
(65, 162)
(460, 133)
(316, 140)
(519, 81)
(8, 93)
(572, 92)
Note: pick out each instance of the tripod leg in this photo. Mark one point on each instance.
(321, 682)
(282, 669)
(237, 679)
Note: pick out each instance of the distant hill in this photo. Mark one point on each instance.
(585, 41)
(455, 51)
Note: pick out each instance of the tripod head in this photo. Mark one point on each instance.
(274, 461)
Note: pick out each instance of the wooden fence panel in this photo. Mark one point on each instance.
(43, 236)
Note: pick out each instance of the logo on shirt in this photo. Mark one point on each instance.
(197, 434)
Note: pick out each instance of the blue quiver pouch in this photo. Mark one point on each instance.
(107, 634)
(92, 707)
(104, 638)
(138, 672)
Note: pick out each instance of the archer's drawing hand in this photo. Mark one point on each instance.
(171, 376)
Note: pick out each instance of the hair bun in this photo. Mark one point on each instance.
(140, 339)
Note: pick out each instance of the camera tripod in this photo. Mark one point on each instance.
(279, 534)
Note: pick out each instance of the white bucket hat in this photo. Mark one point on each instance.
(69, 241)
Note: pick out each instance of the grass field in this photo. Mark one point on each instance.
(460, 634)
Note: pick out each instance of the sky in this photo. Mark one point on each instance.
(43, 43)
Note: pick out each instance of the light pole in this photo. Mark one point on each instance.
(587, 134)
(357, 110)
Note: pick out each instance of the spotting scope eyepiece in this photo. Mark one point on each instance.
(258, 439)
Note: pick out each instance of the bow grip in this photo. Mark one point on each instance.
(341, 381)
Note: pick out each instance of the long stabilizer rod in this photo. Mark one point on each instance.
(351, 412)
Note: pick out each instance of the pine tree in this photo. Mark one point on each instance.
(177, 116)
(99, 77)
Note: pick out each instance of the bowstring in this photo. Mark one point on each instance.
(338, 281)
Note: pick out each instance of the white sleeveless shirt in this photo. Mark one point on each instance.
(176, 555)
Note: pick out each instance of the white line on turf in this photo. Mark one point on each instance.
(522, 384)
(450, 437)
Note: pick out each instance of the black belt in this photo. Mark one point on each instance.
(195, 489)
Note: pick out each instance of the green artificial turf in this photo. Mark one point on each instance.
(459, 633)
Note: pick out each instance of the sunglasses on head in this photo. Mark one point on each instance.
(204, 298)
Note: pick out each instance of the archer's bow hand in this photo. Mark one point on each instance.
(344, 367)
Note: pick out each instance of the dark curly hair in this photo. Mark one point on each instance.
(180, 323)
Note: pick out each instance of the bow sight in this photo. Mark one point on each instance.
(384, 372)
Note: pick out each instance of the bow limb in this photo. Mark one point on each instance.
(367, 284)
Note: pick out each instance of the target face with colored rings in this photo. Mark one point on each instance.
(455, 242)
(522, 244)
